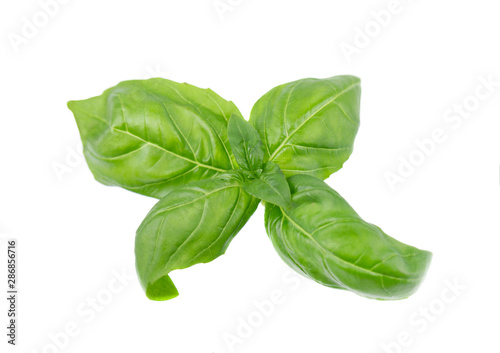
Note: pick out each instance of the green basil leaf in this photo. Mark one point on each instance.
(149, 135)
(308, 126)
(192, 224)
(271, 186)
(323, 238)
(246, 144)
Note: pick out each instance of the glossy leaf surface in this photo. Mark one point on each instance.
(149, 135)
(309, 126)
(323, 238)
(193, 224)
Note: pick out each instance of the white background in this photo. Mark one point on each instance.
(74, 232)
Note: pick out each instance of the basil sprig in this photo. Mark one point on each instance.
(210, 168)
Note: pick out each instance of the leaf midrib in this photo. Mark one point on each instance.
(169, 152)
(362, 269)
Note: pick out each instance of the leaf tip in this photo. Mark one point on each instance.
(162, 289)
(71, 105)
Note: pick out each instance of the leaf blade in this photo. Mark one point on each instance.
(309, 126)
(148, 136)
(187, 227)
(323, 238)
(246, 144)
